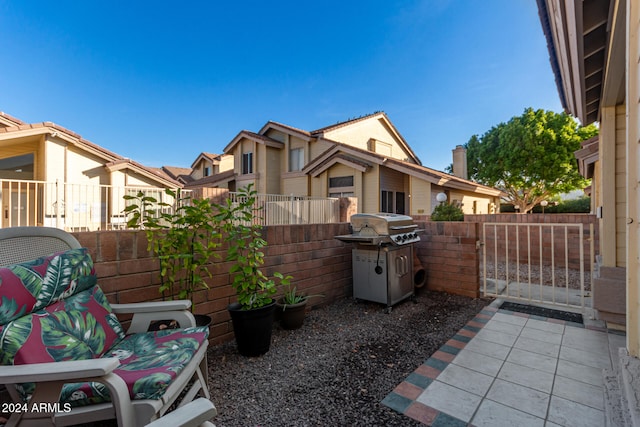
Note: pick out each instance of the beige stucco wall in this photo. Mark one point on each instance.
(276, 134)
(198, 171)
(370, 200)
(318, 147)
(482, 204)
(271, 163)
(420, 197)
(226, 163)
(296, 186)
(620, 186)
(360, 134)
(633, 155)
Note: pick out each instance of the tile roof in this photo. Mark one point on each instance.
(291, 128)
(10, 120)
(347, 123)
(178, 173)
(212, 179)
(251, 135)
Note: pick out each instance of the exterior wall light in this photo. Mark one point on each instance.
(543, 203)
(441, 197)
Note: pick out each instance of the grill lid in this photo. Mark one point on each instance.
(381, 223)
(382, 228)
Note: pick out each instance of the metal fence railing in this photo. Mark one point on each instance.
(545, 263)
(89, 207)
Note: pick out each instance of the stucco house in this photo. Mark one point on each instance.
(594, 49)
(52, 176)
(365, 157)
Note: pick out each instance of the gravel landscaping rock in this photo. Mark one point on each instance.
(338, 367)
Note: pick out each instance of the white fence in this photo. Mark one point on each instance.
(84, 207)
(544, 263)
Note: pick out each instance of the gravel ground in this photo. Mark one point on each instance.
(338, 367)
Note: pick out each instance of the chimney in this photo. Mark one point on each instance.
(460, 162)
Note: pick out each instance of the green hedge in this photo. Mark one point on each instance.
(581, 205)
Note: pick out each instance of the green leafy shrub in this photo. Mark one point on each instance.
(447, 212)
(580, 205)
(184, 239)
(240, 221)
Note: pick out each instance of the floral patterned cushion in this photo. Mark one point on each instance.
(79, 327)
(149, 362)
(33, 285)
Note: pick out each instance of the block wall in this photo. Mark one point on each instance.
(319, 263)
(448, 253)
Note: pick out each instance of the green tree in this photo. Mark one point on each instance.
(530, 158)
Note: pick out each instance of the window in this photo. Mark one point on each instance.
(247, 163)
(207, 171)
(392, 202)
(18, 167)
(399, 202)
(342, 194)
(296, 159)
(341, 186)
(386, 202)
(341, 181)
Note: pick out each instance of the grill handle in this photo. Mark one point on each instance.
(402, 265)
(403, 227)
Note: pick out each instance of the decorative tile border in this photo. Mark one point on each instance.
(403, 398)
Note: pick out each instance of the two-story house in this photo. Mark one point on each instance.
(366, 158)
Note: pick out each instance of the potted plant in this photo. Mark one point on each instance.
(292, 306)
(252, 314)
(184, 236)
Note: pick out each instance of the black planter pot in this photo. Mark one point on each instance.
(292, 315)
(252, 328)
(201, 320)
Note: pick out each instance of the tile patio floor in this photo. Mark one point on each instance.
(512, 369)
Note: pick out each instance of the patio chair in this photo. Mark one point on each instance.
(64, 356)
(193, 414)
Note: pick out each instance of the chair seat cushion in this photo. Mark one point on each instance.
(149, 363)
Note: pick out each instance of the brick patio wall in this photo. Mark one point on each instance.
(448, 253)
(319, 263)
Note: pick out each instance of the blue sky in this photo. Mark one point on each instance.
(161, 82)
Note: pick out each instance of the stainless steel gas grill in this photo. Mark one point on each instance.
(383, 258)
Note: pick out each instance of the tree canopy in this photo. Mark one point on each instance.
(530, 158)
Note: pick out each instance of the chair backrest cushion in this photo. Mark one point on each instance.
(75, 322)
(33, 285)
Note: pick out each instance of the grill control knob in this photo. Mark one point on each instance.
(398, 238)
